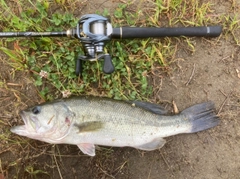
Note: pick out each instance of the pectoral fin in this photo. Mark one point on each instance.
(153, 145)
(90, 126)
(87, 148)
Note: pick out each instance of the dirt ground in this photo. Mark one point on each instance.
(210, 73)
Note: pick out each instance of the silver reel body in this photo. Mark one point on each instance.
(93, 31)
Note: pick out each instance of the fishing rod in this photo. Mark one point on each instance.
(94, 31)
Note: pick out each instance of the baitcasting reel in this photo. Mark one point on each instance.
(94, 31)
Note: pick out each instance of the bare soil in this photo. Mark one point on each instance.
(210, 73)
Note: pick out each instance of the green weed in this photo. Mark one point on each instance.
(34, 173)
(52, 60)
(232, 26)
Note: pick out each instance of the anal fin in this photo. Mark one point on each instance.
(152, 145)
(87, 148)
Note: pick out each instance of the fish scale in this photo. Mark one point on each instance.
(87, 121)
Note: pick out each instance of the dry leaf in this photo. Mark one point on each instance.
(238, 73)
(175, 108)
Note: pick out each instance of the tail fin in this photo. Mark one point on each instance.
(201, 116)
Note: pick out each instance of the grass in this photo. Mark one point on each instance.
(56, 56)
(136, 61)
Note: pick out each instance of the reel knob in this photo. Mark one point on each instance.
(108, 66)
(79, 67)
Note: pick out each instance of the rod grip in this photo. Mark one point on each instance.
(147, 32)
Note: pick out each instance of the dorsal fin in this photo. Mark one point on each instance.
(154, 108)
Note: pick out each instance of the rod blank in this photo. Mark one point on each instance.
(33, 34)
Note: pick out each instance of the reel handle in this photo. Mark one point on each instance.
(108, 66)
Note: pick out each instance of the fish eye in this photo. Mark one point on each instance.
(36, 110)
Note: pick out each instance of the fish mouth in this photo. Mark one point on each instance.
(22, 129)
(31, 122)
(29, 125)
(23, 116)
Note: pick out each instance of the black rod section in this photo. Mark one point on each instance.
(33, 34)
(146, 32)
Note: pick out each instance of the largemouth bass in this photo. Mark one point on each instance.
(88, 121)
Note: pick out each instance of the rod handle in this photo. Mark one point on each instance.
(147, 32)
